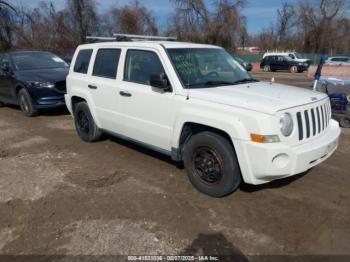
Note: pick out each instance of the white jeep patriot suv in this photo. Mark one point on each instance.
(195, 103)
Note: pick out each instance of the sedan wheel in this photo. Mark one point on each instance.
(26, 104)
(294, 69)
(266, 68)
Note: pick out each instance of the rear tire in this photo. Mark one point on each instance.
(211, 164)
(345, 121)
(26, 103)
(266, 68)
(2, 104)
(85, 125)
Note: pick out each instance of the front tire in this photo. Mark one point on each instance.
(294, 69)
(85, 125)
(211, 164)
(2, 104)
(26, 103)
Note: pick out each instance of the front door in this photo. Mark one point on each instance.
(146, 113)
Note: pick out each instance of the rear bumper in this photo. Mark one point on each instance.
(268, 162)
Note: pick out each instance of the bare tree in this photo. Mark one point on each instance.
(82, 18)
(133, 18)
(7, 18)
(193, 21)
(316, 22)
(286, 20)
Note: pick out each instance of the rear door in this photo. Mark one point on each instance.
(281, 63)
(274, 63)
(103, 83)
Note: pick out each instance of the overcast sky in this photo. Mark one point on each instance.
(259, 13)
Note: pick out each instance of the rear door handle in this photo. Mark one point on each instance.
(92, 87)
(124, 93)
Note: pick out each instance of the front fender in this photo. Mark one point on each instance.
(227, 123)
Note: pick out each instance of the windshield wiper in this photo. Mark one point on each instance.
(210, 83)
(217, 82)
(245, 80)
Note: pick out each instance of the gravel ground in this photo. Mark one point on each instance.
(61, 196)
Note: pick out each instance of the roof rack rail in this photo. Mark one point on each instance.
(128, 37)
(94, 39)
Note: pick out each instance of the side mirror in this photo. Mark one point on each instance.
(160, 81)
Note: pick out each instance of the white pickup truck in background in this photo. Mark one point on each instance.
(195, 103)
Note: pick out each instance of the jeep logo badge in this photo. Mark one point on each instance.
(313, 98)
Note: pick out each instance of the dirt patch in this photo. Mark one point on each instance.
(6, 236)
(28, 177)
(105, 181)
(30, 142)
(62, 124)
(117, 237)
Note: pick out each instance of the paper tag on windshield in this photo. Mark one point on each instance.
(57, 59)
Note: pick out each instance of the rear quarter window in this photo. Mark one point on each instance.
(82, 62)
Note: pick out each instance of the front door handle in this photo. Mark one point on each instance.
(124, 93)
(92, 87)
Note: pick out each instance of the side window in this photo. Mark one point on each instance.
(106, 63)
(82, 62)
(140, 65)
(4, 61)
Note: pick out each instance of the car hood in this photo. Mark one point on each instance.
(43, 75)
(301, 60)
(260, 96)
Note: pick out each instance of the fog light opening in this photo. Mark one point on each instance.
(281, 160)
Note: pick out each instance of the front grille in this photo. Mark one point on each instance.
(61, 86)
(313, 121)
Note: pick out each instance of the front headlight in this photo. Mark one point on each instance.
(286, 124)
(40, 84)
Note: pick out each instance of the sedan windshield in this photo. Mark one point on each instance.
(37, 60)
(207, 67)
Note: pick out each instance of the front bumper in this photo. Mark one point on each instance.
(267, 162)
(46, 97)
(50, 102)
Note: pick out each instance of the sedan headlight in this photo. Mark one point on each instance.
(286, 124)
(40, 84)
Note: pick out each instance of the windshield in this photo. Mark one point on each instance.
(299, 56)
(207, 67)
(37, 60)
